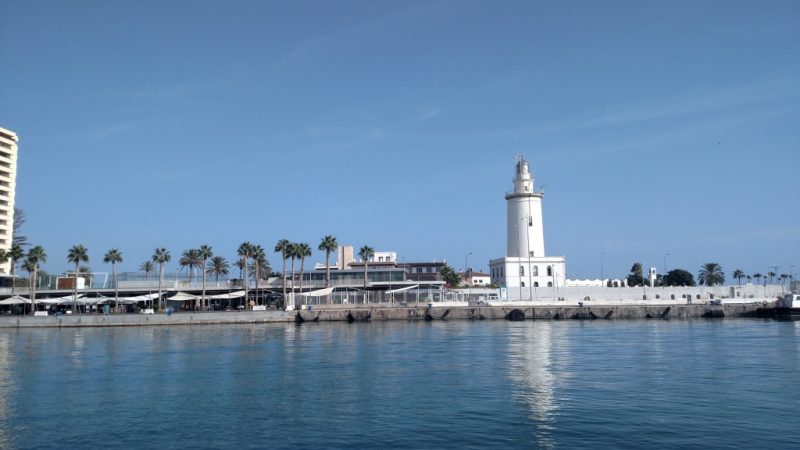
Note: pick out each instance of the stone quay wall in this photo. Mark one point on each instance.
(362, 314)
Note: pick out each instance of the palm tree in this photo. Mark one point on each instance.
(711, 274)
(147, 267)
(259, 263)
(191, 258)
(77, 254)
(29, 266)
(15, 254)
(757, 276)
(327, 245)
(161, 256)
(205, 253)
(36, 256)
(282, 247)
(292, 252)
(113, 257)
(303, 250)
(240, 265)
(217, 266)
(245, 250)
(739, 274)
(365, 254)
(771, 275)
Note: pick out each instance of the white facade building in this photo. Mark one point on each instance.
(384, 257)
(8, 185)
(526, 264)
(472, 278)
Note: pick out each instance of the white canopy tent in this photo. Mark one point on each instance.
(182, 297)
(67, 299)
(16, 300)
(317, 293)
(228, 296)
(138, 298)
(408, 288)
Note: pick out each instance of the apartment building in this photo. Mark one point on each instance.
(8, 184)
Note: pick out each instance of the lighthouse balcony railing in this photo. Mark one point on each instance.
(534, 193)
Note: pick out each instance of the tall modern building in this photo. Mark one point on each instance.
(8, 185)
(526, 265)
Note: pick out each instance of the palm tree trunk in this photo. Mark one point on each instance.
(75, 290)
(293, 281)
(116, 289)
(257, 274)
(327, 268)
(284, 277)
(302, 262)
(366, 269)
(244, 278)
(203, 297)
(32, 290)
(13, 277)
(328, 271)
(160, 278)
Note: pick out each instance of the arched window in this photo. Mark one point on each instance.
(549, 284)
(522, 283)
(522, 271)
(535, 284)
(536, 271)
(549, 271)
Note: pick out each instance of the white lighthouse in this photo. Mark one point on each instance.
(526, 271)
(524, 233)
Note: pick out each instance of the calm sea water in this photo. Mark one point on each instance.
(491, 384)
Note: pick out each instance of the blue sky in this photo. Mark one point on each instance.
(655, 127)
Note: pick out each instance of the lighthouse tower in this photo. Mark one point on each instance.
(526, 272)
(524, 233)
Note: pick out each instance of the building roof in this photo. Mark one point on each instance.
(474, 274)
(423, 264)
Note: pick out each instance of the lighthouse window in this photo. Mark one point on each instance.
(530, 221)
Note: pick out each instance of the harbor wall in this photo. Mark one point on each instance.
(543, 312)
(697, 293)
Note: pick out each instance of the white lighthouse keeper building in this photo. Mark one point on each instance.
(526, 267)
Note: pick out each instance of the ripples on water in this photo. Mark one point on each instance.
(618, 384)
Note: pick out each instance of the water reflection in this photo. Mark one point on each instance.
(530, 367)
(6, 387)
(78, 347)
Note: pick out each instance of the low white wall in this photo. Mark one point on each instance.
(621, 294)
